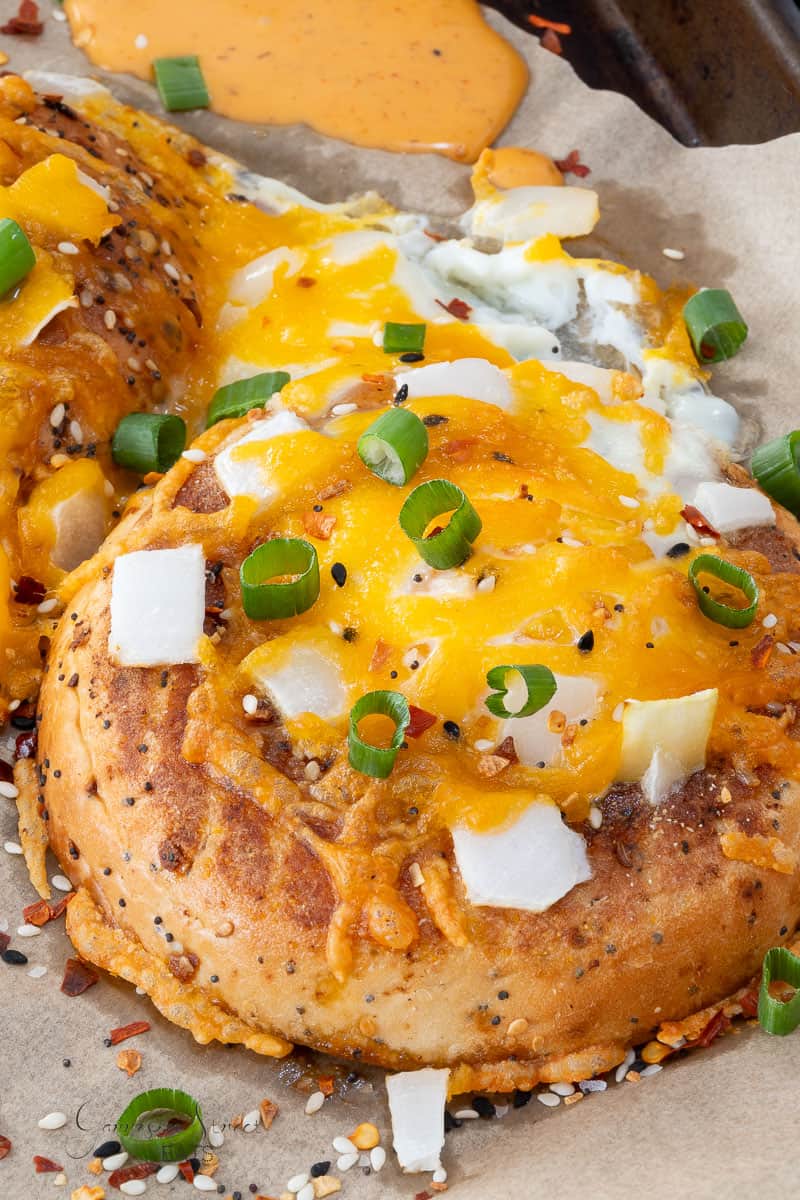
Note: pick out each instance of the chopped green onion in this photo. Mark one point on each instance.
(448, 547)
(776, 466)
(726, 572)
(16, 255)
(147, 442)
(377, 761)
(399, 338)
(159, 1105)
(778, 1016)
(714, 324)
(395, 446)
(265, 601)
(539, 681)
(180, 83)
(236, 399)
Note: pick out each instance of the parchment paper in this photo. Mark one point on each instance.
(721, 1123)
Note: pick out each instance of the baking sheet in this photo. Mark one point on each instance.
(718, 1123)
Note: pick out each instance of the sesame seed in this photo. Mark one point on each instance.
(10, 791)
(53, 1120)
(377, 1158)
(770, 621)
(37, 972)
(47, 606)
(250, 704)
(343, 1145)
(28, 931)
(341, 410)
(133, 1187)
(624, 1066)
(562, 1089)
(140, 41)
(297, 1182)
(314, 1103)
(346, 1161)
(548, 1099)
(307, 1192)
(439, 1175)
(215, 1136)
(415, 874)
(67, 248)
(172, 271)
(251, 1121)
(487, 584)
(652, 1069)
(628, 501)
(112, 1161)
(483, 744)
(134, 363)
(57, 415)
(167, 1173)
(676, 255)
(12, 847)
(466, 1114)
(312, 770)
(595, 817)
(195, 455)
(204, 1183)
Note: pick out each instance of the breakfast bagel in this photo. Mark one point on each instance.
(513, 918)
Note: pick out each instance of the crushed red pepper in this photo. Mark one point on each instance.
(420, 721)
(78, 977)
(457, 308)
(762, 651)
(135, 1171)
(545, 23)
(692, 516)
(551, 41)
(44, 1165)
(5, 1146)
(26, 23)
(28, 589)
(572, 165)
(717, 1025)
(122, 1032)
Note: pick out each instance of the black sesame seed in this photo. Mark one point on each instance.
(290, 968)
(412, 356)
(521, 1098)
(214, 978)
(650, 645)
(434, 419)
(733, 643)
(14, 958)
(106, 724)
(585, 642)
(483, 1107)
(163, 680)
(417, 578)
(339, 573)
(142, 748)
(350, 634)
(401, 394)
(393, 674)
(106, 1149)
(413, 811)
(619, 608)
(130, 800)
(678, 550)
(148, 787)
(541, 764)
(158, 920)
(452, 730)
(106, 870)
(122, 902)
(73, 680)
(502, 995)
(499, 456)
(783, 931)
(319, 1168)
(66, 1062)
(414, 665)
(495, 1020)
(658, 938)
(169, 937)
(56, 774)
(451, 1122)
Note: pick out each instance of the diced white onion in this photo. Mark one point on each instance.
(157, 607)
(729, 508)
(416, 1107)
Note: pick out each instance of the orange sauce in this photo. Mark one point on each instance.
(421, 75)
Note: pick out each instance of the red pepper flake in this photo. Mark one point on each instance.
(545, 23)
(762, 651)
(5, 1146)
(38, 913)
(6, 771)
(458, 449)
(420, 721)
(456, 308)
(435, 237)
(692, 516)
(371, 377)
(551, 41)
(423, 1196)
(28, 589)
(25, 745)
(122, 1032)
(43, 1165)
(5, 942)
(306, 281)
(749, 1003)
(26, 23)
(60, 906)
(319, 525)
(78, 977)
(134, 1171)
(325, 1082)
(572, 165)
(436, 529)
(196, 157)
(187, 1171)
(717, 1025)
(507, 750)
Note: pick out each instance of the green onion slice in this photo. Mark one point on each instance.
(451, 546)
(539, 681)
(238, 398)
(16, 255)
(399, 338)
(159, 1105)
(377, 761)
(726, 572)
(266, 601)
(714, 324)
(776, 466)
(146, 442)
(395, 446)
(777, 1016)
(180, 83)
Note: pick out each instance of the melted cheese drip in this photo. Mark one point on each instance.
(427, 75)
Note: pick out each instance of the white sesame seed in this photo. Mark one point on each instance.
(167, 1173)
(204, 1183)
(341, 410)
(47, 606)
(784, 649)
(109, 318)
(336, 628)
(677, 255)
(87, 299)
(346, 1161)
(595, 817)
(593, 1085)
(172, 271)
(151, 366)
(314, 1103)
(568, 540)
(377, 1157)
(312, 770)
(415, 874)
(297, 1182)
(251, 1121)
(57, 415)
(250, 704)
(500, 1110)
(487, 584)
(14, 705)
(548, 1099)
(122, 152)
(37, 972)
(53, 1120)
(624, 1066)
(770, 621)
(562, 1089)
(140, 991)
(134, 363)
(618, 711)
(215, 1136)
(439, 1175)
(195, 455)
(466, 1114)
(628, 501)
(140, 41)
(28, 930)
(75, 431)
(108, 488)
(12, 847)
(67, 248)
(166, 248)
(343, 1145)
(483, 744)
(133, 1187)
(146, 179)
(652, 1069)
(115, 1160)
(306, 1193)
(10, 791)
